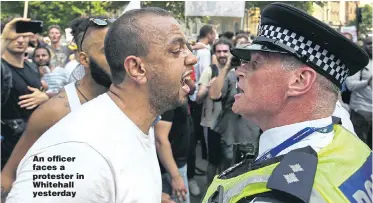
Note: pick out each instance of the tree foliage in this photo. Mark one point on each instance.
(175, 7)
(366, 24)
(59, 12)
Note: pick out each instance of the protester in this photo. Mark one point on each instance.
(148, 79)
(290, 80)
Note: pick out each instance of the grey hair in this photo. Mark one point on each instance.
(292, 63)
(328, 91)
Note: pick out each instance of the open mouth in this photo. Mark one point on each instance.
(239, 90)
(183, 83)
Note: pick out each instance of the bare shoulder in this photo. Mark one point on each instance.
(49, 113)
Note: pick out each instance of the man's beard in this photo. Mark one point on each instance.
(44, 64)
(161, 97)
(220, 63)
(99, 74)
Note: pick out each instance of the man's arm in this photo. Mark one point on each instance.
(354, 83)
(215, 91)
(162, 130)
(204, 60)
(97, 185)
(204, 85)
(44, 117)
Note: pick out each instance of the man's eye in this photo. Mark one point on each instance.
(176, 51)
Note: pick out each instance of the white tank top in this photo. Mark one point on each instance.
(72, 96)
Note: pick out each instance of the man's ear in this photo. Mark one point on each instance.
(135, 69)
(301, 81)
(84, 59)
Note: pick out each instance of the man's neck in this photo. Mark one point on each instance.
(134, 105)
(204, 41)
(56, 45)
(16, 60)
(90, 88)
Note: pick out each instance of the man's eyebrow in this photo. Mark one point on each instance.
(177, 40)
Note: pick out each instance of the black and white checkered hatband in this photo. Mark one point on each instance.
(313, 53)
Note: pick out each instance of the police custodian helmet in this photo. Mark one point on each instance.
(288, 30)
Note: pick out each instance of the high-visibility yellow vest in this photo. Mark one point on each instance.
(344, 174)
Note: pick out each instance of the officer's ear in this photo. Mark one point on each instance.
(301, 80)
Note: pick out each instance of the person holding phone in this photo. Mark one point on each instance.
(26, 92)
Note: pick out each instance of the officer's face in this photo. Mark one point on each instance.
(263, 84)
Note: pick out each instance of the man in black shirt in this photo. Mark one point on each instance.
(174, 129)
(25, 94)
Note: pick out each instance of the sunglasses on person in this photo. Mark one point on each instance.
(98, 22)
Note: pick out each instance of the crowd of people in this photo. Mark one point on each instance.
(127, 97)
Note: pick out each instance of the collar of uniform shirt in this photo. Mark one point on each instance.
(275, 136)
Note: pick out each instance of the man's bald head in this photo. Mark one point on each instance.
(127, 36)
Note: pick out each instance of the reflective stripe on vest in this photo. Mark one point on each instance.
(238, 187)
(316, 197)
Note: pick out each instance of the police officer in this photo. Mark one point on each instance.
(290, 78)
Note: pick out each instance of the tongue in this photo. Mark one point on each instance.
(186, 88)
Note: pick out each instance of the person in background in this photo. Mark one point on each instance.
(26, 92)
(228, 35)
(55, 77)
(35, 41)
(360, 85)
(60, 53)
(74, 63)
(240, 39)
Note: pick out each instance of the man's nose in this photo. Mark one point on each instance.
(190, 60)
(20, 39)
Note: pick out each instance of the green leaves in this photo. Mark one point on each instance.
(366, 24)
(59, 12)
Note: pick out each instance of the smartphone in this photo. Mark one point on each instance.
(34, 26)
